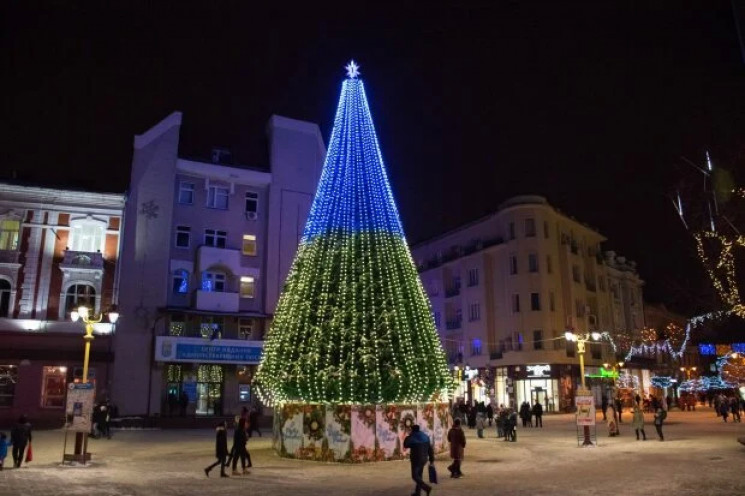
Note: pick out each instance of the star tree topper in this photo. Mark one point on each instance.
(353, 70)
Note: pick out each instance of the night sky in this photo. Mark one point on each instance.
(591, 104)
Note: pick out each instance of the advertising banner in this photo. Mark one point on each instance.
(585, 410)
(199, 350)
(79, 407)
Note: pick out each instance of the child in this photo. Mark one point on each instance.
(4, 444)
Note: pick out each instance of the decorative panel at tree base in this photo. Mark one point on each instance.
(355, 433)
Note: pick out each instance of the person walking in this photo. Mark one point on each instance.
(525, 414)
(659, 417)
(538, 414)
(240, 438)
(457, 440)
(221, 449)
(4, 444)
(20, 436)
(420, 451)
(253, 421)
(724, 409)
(734, 404)
(637, 422)
(500, 420)
(619, 408)
(604, 407)
(490, 413)
(480, 424)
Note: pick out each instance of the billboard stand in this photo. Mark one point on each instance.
(78, 414)
(587, 436)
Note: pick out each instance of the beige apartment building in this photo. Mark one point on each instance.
(505, 289)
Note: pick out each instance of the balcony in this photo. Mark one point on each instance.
(82, 260)
(9, 256)
(215, 301)
(452, 325)
(210, 256)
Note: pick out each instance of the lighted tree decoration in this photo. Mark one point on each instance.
(353, 324)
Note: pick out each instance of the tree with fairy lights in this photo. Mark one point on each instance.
(353, 324)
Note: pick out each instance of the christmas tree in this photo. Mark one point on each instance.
(353, 324)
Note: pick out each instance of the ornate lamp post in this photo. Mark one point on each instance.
(82, 313)
(687, 371)
(581, 339)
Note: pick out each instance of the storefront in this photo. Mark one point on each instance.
(206, 378)
(553, 385)
(472, 385)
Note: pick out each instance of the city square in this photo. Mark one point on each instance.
(700, 456)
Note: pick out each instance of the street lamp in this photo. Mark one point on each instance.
(687, 371)
(82, 313)
(581, 339)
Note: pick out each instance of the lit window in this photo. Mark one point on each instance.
(217, 197)
(9, 230)
(475, 347)
(8, 381)
(177, 325)
(213, 237)
(78, 295)
(86, 236)
(213, 281)
(180, 281)
(54, 387)
(211, 327)
(247, 287)
(249, 244)
(530, 228)
(186, 193)
(246, 328)
(252, 204)
(183, 236)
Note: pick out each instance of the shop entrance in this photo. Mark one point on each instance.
(538, 395)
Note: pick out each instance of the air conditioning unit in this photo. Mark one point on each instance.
(251, 215)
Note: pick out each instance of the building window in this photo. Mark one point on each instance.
(575, 273)
(186, 193)
(475, 347)
(537, 340)
(530, 228)
(246, 328)
(515, 303)
(473, 277)
(9, 232)
(8, 381)
(249, 244)
(86, 236)
(211, 327)
(53, 387)
(535, 301)
(519, 340)
(513, 264)
(549, 268)
(4, 298)
(545, 229)
(216, 238)
(209, 390)
(532, 262)
(248, 287)
(551, 301)
(183, 236)
(180, 283)
(252, 204)
(511, 233)
(213, 281)
(474, 312)
(79, 295)
(217, 197)
(177, 326)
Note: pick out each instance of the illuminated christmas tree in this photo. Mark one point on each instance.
(353, 324)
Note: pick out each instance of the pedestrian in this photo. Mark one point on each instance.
(637, 422)
(490, 413)
(619, 408)
(734, 404)
(525, 414)
(724, 409)
(480, 424)
(420, 451)
(500, 421)
(4, 444)
(538, 414)
(183, 401)
(221, 450)
(457, 440)
(240, 438)
(604, 407)
(96, 423)
(471, 417)
(512, 425)
(106, 419)
(253, 421)
(659, 417)
(20, 436)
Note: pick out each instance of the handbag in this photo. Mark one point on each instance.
(432, 473)
(29, 454)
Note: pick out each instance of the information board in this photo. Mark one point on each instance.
(585, 410)
(79, 406)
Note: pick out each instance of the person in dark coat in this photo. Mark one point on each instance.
(525, 414)
(221, 450)
(240, 438)
(253, 421)
(420, 451)
(538, 414)
(457, 440)
(604, 407)
(490, 413)
(20, 436)
(619, 408)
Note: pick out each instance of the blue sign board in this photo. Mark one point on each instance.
(217, 353)
(707, 349)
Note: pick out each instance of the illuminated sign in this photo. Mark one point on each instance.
(538, 370)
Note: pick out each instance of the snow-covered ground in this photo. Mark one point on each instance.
(700, 456)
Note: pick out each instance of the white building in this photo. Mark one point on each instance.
(506, 288)
(206, 249)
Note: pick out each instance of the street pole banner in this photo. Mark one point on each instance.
(585, 410)
(79, 408)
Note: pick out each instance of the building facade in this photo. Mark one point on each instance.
(206, 249)
(59, 249)
(506, 288)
